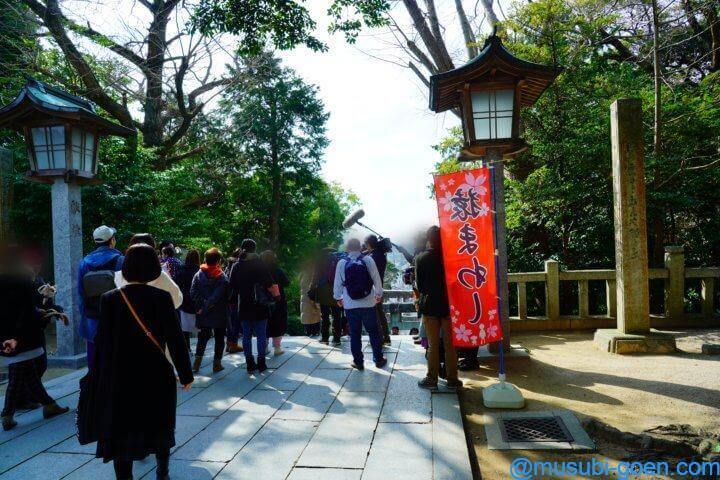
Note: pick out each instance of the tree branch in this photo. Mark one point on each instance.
(52, 19)
(468, 34)
(426, 35)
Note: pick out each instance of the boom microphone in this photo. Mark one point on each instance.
(353, 218)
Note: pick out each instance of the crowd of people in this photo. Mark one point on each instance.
(140, 308)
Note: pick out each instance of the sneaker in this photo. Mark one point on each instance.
(381, 363)
(336, 343)
(278, 351)
(427, 384)
(324, 342)
(356, 366)
(456, 385)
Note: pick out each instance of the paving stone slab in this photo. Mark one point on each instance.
(312, 400)
(324, 474)
(47, 466)
(37, 440)
(189, 470)
(369, 380)
(228, 433)
(221, 395)
(410, 357)
(344, 436)
(405, 401)
(292, 373)
(401, 451)
(271, 454)
(451, 460)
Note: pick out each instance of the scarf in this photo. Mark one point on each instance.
(212, 271)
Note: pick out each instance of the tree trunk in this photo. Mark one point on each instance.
(657, 223)
(276, 179)
(152, 127)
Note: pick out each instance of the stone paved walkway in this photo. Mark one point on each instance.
(310, 417)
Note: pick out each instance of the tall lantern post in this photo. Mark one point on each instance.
(489, 92)
(62, 133)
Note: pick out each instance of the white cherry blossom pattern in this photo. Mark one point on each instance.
(483, 210)
(476, 183)
(443, 186)
(446, 201)
(462, 333)
(493, 331)
(454, 314)
(491, 314)
(451, 182)
(474, 339)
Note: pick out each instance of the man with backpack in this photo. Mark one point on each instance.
(96, 276)
(358, 289)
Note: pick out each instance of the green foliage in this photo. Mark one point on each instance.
(559, 192)
(283, 23)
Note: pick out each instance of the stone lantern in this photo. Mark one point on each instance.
(62, 132)
(488, 92)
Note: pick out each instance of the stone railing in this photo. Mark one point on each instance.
(399, 305)
(688, 297)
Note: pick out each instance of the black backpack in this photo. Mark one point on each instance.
(96, 282)
(358, 281)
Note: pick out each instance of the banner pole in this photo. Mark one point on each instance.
(502, 394)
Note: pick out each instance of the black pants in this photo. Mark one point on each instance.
(383, 322)
(203, 337)
(123, 468)
(24, 385)
(325, 312)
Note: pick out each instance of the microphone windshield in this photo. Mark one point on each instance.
(353, 218)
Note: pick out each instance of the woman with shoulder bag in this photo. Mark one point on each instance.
(209, 290)
(135, 392)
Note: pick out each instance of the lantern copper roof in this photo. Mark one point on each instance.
(492, 63)
(39, 102)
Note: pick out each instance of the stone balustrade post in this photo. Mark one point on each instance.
(675, 283)
(611, 297)
(552, 289)
(708, 296)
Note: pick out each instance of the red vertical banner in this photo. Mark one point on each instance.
(468, 245)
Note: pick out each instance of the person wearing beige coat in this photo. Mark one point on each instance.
(309, 310)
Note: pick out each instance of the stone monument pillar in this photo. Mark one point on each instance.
(633, 334)
(67, 253)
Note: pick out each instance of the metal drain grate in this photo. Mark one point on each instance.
(534, 429)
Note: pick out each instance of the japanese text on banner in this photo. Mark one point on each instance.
(468, 245)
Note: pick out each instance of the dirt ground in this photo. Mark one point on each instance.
(631, 393)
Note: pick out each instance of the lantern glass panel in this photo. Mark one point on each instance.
(49, 146)
(492, 114)
(83, 144)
